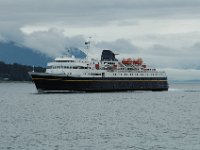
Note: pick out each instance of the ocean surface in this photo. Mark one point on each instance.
(99, 121)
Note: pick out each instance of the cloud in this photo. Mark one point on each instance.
(172, 62)
(160, 50)
(195, 48)
(10, 31)
(52, 42)
(174, 34)
(163, 56)
(2, 39)
(119, 45)
(49, 42)
(92, 12)
(182, 74)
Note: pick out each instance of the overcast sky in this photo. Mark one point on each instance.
(165, 33)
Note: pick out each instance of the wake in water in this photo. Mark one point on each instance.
(175, 90)
(183, 90)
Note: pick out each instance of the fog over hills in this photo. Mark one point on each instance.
(11, 53)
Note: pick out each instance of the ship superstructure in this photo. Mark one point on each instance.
(107, 74)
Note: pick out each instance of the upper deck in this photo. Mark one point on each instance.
(106, 67)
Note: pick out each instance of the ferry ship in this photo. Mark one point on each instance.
(70, 74)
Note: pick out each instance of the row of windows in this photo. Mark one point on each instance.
(141, 74)
(68, 67)
(65, 61)
(70, 61)
(136, 69)
(125, 74)
(93, 74)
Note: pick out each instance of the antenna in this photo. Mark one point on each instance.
(87, 43)
(68, 52)
(33, 68)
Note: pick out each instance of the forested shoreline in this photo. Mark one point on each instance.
(16, 72)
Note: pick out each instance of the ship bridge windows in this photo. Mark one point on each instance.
(110, 63)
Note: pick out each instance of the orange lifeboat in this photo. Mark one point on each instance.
(138, 61)
(127, 61)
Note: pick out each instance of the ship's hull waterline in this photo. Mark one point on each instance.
(45, 82)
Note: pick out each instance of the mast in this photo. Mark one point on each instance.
(87, 46)
(33, 69)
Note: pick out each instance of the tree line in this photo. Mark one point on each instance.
(16, 72)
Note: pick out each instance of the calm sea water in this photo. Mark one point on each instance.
(99, 121)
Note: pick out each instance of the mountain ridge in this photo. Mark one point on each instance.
(11, 53)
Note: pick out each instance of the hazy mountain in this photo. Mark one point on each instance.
(76, 52)
(11, 53)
